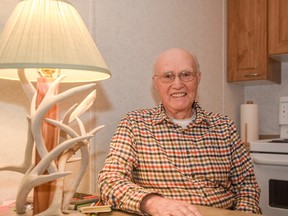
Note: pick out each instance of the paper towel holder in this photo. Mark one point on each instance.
(247, 144)
(249, 122)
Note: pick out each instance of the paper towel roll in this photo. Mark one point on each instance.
(249, 122)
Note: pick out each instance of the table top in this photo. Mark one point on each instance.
(205, 211)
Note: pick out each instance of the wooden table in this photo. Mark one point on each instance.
(205, 211)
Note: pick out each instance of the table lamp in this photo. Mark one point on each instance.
(41, 40)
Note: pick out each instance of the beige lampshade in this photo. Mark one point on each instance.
(49, 34)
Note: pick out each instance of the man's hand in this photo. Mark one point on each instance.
(159, 206)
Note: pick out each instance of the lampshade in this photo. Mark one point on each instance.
(49, 34)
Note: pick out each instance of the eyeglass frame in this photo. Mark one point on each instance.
(194, 74)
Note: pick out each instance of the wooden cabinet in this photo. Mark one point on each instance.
(248, 58)
(278, 26)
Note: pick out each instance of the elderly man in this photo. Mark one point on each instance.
(167, 159)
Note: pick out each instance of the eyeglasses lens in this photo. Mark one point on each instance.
(184, 76)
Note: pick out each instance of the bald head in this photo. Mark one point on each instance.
(174, 54)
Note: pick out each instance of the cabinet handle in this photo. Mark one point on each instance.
(252, 75)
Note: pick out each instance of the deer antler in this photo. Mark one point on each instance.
(48, 101)
(84, 153)
(71, 142)
(34, 176)
(66, 132)
(27, 86)
(83, 106)
(24, 166)
(29, 91)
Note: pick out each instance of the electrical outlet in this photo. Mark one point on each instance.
(283, 111)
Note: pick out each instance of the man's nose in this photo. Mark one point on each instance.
(177, 81)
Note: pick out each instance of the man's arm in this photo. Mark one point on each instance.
(115, 180)
(156, 205)
(242, 176)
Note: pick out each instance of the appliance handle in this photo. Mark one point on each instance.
(270, 162)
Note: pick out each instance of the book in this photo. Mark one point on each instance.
(79, 206)
(95, 209)
(82, 198)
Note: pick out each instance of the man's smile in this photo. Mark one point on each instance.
(178, 94)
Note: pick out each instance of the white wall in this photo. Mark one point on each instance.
(130, 34)
(269, 104)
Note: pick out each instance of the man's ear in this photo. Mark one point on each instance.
(155, 82)
(199, 77)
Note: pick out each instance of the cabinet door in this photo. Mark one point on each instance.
(247, 40)
(278, 26)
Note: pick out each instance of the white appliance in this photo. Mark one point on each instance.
(283, 117)
(270, 158)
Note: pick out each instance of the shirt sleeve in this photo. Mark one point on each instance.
(115, 179)
(245, 187)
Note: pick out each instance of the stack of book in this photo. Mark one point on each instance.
(81, 200)
(87, 204)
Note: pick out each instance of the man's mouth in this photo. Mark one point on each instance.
(179, 94)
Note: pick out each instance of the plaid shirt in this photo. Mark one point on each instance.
(203, 164)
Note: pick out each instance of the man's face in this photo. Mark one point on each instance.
(177, 95)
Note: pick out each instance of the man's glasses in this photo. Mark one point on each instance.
(169, 77)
